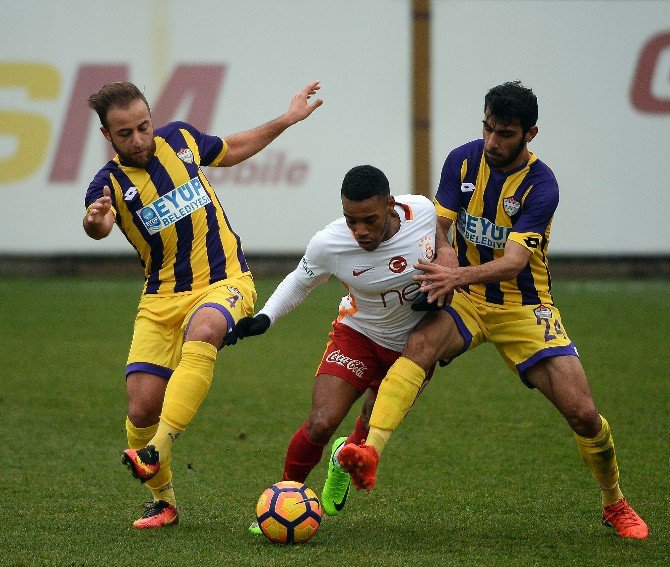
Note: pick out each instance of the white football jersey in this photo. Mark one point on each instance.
(380, 282)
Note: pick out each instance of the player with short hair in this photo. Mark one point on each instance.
(371, 250)
(502, 199)
(197, 282)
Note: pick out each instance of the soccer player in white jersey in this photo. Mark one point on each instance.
(371, 250)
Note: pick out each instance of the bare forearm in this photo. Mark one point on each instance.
(446, 254)
(499, 270)
(246, 144)
(439, 279)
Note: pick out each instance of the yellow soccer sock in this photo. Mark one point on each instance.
(185, 391)
(161, 484)
(396, 395)
(138, 437)
(164, 492)
(378, 438)
(599, 456)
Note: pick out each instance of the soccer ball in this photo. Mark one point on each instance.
(288, 512)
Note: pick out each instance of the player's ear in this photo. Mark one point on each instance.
(532, 132)
(105, 133)
(391, 202)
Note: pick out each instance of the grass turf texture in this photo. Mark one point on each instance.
(482, 472)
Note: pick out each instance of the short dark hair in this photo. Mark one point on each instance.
(511, 101)
(114, 94)
(364, 181)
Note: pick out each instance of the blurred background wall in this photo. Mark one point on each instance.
(600, 69)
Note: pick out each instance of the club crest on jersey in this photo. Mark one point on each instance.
(174, 206)
(185, 155)
(511, 206)
(427, 246)
(543, 312)
(397, 264)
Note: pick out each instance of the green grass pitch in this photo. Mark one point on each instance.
(482, 472)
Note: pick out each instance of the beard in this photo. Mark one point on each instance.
(498, 162)
(140, 160)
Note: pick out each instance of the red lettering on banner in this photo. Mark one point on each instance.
(73, 134)
(642, 95)
(198, 84)
(267, 168)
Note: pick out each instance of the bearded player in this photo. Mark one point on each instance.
(501, 199)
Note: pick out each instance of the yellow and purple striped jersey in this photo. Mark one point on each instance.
(170, 213)
(489, 208)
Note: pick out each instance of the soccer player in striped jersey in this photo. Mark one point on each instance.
(371, 250)
(501, 200)
(197, 282)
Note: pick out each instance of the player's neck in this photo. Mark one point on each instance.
(393, 226)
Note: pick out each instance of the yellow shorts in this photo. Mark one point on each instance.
(162, 321)
(523, 334)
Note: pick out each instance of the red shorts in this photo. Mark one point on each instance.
(356, 359)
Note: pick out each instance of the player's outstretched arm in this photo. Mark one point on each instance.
(243, 145)
(247, 327)
(438, 280)
(99, 219)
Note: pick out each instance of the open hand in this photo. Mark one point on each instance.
(300, 107)
(100, 207)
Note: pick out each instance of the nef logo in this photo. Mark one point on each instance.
(407, 293)
(352, 364)
(397, 264)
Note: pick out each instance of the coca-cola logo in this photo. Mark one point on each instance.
(397, 264)
(352, 364)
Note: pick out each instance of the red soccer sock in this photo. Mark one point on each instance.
(358, 434)
(302, 456)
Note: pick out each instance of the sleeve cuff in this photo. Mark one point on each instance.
(444, 212)
(217, 160)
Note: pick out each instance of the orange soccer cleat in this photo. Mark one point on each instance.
(360, 461)
(143, 463)
(158, 514)
(624, 520)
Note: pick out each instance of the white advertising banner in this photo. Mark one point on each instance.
(225, 67)
(601, 71)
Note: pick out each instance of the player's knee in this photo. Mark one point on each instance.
(206, 334)
(584, 420)
(143, 415)
(422, 348)
(320, 428)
